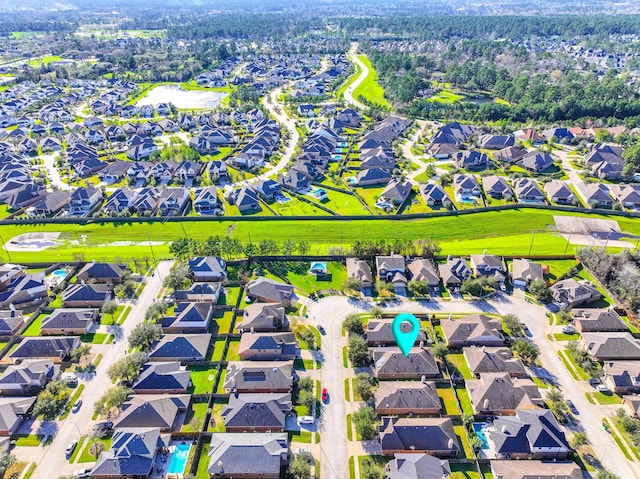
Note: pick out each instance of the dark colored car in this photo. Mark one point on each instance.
(321, 330)
(572, 407)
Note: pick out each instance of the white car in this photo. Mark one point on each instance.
(302, 450)
(306, 420)
(82, 473)
(602, 388)
(72, 445)
(76, 406)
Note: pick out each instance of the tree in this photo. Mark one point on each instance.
(353, 325)
(127, 368)
(539, 289)
(376, 312)
(82, 352)
(471, 286)
(111, 400)
(364, 385)
(52, 400)
(144, 335)
(109, 307)
(358, 352)
(418, 288)
(6, 461)
(156, 311)
(300, 467)
(512, 323)
(365, 421)
(305, 384)
(439, 351)
(127, 289)
(354, 284)
(602, 474)
(580, 440)
(525, 350)
(177, 277)
(370, 470)
(308, 337)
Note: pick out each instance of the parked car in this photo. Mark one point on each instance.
(321, 330)
(602, 388)
(302, 450)
(572, 407)
(325, 395)
(568, 329)
(306, 420)
(82, 473)
(76, 405)
(72, 445)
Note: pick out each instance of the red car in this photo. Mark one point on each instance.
(325, 395)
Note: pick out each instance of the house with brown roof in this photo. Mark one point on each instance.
(434, 436)
(262, 412)
(507, 469)
(407, 397)
(575, 293)
(611, 346)
(472, 330)
(268, 347)
(102, 273)
(632, 405)
(263, 318)
(524, 271)
(166, 412)
(70, 321)
(86, 295)
(390, 363)
(493, 360)
(498, 393)
(379, 333)
(454, 272)
(360, 269)
(598, 320)
(423, 270)
(622, 377)
(267, 290)
(162, 378)
(259, 377)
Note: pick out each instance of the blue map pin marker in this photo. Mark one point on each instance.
(405, 337)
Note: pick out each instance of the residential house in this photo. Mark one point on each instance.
(574, 293)
(208, 268)
(56, 348)
(488, 265)
(294, 180)
(164, 412)
(10, 321)
(471, 160)
(528, 191)
(509, 154)
(245, 199)
(181, 347)
(611, 346)
(417, 466)
(114, 172)
(263, 318)
(192, 317)
(453, 133)
(84, 200)
(79, 295)
(267, 290)
(388, 266)
(498, 393)
(442, 151)
(496, 142)
(559, 192)
(13, 410)
(598, 320)
(373, 176)
(173, 201)
(239, 455)
(380, 333)
(162, 378)
(389, 363)
(249, 412)
(142, 150)
(632, 405)
(205, 201)
(395, 193)
(208, 292)
(269, 190)
(472, 330)
(595, 194)
(259, 377)
(629, 196)
(466, 187)
(70, 321)
(434, 195)
(132, 454)
(109, 273)
(529, 435)
(8, 272)
(120, 200)
(538, 469)
(434, 436)
(360, 270)
(493, 360)
(497, 187)
(423, 270)
(30, 288)
(524, 272)
(218, 172)
(622, 377)
(454, 272)
(536, 161)
(49, 205)
(557, 134)
(606, 161)
(268, 347)
(30, 376)
(407, 397)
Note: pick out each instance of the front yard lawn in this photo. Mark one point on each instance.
(30, 440)
(86, 456)
(608, 398)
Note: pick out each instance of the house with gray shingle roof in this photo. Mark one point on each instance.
(181, 347)
(189, 318)
(434, 194)
(536, 161)
(596, 194)
(208, 268)
(257, 412)
(248, 455)
(622, 377)
(86, 295)
(133, 453)
(497, 187)
(259, 377)
(421, 269)
(102, 272)
(417, 466)
(598, 320)
(56, 348)
(575, 293)
(70, 321)
(525, 271)
(12, 412)
(405, 397)
(529, 435)
(379, 333)
(154, 411)
(360, 269)
(493, 360)
(390, 363)
(29, 375)
(162, 378)
(559, 192)
(611, 346)
(263, 317)
(200, 292)
(270, 291)
(540, 470)
(396, 193)
(629, 196)
(472, 330)
(433, 436)
(268, 347)
(454, 272)
(528, 191)
(498, 393)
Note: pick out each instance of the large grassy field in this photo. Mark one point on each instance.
(500, 232)
(370, 89)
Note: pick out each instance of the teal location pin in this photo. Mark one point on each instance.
(405, 337)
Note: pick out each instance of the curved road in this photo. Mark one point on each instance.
(331, 311)
(364, 71)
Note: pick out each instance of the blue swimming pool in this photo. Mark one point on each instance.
(179, 459)
(60, 273)
(480, 429)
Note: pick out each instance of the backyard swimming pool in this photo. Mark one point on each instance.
(60, 274)
(480, 429)
(179, 459)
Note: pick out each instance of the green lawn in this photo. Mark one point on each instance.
(340, 91)
(195, 417)
(31, 440)
(77, 450)
(35, 327)
(296, 207)
(464, 440)
(36, 62)
(301, 436)
(218, 347)
(508, 232)
(95, 338)
(370, 89)
(457, 362)
(465, 402)
(566, 337)
(464, 471)
(622, 439)
(349, 428)
(446, 96)
(202, 378)
(85, 456)
(343, 203)
(203, 463)
(308, 283)
(603, 398)
(221, 322)
(231, 297)
(448, 400)
(232, 353)
(575, 370)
